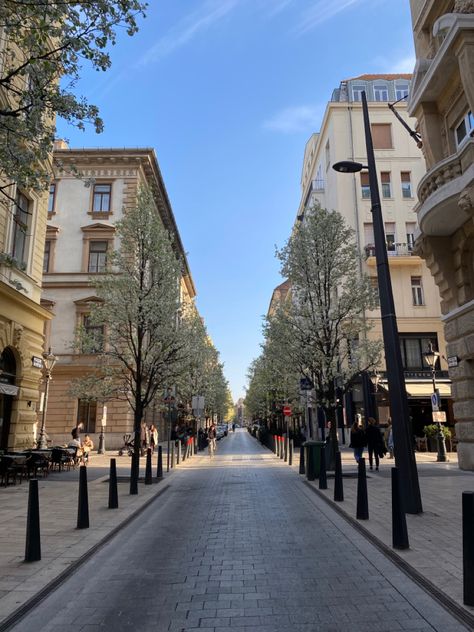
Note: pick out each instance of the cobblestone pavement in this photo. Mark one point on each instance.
(238, 542)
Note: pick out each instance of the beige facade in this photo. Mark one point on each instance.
(92, 190)
(400, 166)
(442, 100)
(22, 319)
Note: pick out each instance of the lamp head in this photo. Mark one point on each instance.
(348, 166)
(431, 356)
(49, 360)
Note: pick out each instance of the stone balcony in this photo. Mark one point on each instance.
(439, 213)
(399, 254)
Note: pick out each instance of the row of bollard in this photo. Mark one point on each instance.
(33, 534)
(283, 448)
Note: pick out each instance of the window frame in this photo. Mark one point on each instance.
(365, 186)
(47, 256)
(468, 121)
(389, 183)
(398, 90)
(21, 228)
(86, 420)
(100, 268)
(358, 89)
(430, 337)
(404, 183)
(381, 87)
(417, 293)
(101, 213)
(374, 126)
(53, 188)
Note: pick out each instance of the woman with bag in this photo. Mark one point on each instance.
(358, 440)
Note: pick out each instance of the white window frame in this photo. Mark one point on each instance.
(386, 184)
(406, 187)
(25, 227)
(380, 87)
(417, 292)
(468, 122)
(357, 92)
(402, 90)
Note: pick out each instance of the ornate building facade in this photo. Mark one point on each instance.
(442, 100)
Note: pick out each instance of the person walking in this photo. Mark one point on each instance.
(375, 444)
(153, 437)
(144, 438)
(211, 436)
(388, 437)
(358, 440)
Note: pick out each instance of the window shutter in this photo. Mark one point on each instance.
(385, 176)
(382, 135)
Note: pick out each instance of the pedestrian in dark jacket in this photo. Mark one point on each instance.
(375, 443)
(358, 440)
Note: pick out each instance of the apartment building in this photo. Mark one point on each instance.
(91, 191)
(401, 166)
(442, 101)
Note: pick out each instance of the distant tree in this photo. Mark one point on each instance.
(40, 43)
(143, 349)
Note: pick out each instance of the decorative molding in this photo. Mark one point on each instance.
(463, 6)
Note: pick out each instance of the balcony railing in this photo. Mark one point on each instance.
(317, 186)
(393, 250)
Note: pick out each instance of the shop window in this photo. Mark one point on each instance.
(87, 415)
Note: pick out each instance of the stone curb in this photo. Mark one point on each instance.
(457, 611)
(25, 608)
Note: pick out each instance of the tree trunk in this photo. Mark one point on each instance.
(135, 463)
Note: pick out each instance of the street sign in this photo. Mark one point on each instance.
(37, 362)
(305, 384)
(453, 361)
(439, 416)
(435, 402)
(197, 403)
(287, 411)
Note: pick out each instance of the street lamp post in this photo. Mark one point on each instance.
(49, 360)
(403, 445)
(103, 423)
(431, 358)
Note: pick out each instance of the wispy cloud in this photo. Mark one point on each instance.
(404, 64)
(322, 11)
(189, 27)
(299, 118)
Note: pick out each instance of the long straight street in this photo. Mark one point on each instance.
(238, 542)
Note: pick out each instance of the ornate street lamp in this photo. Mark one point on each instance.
(431, 358)
(403, 444)
(49, 360)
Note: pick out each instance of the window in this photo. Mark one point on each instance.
(381, 92)
(365, 185)
(390, 237)
(386, 184)
(87, 415)
(47, 255)
(410, 228)
(101, 201)
(94, 336)
(413, 346)
(465, 129)
(417, 291)
(401, 91)
(20, 227)
(357, 92)
(374, 282)
(328, 155)
(52, 198)
(382, 135)
(97, 256)
(406, 184)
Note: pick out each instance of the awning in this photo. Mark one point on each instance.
(425, 389)
(8, 389)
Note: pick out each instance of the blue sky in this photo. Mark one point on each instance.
(228, 92)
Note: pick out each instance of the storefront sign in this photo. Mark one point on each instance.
(439, 416)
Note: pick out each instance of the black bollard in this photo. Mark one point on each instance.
(338, 484)
(468, 547)
(83, 504)
(159, 467)
(113, 492)
(277, 445)
(302, 468)
(148, 472)
(362, 512)
(33, 539)
(172, 455)
(274, 447)
(290, 453)
(286, 449)
(282, 447)
(183, 452)
(399, 521)
(323, 481)
(178, 453)
(310, 464)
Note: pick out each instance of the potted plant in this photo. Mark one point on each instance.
(431, 433)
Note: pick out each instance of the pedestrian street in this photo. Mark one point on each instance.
(238, 542)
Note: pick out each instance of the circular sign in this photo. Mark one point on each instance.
(287, 411)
